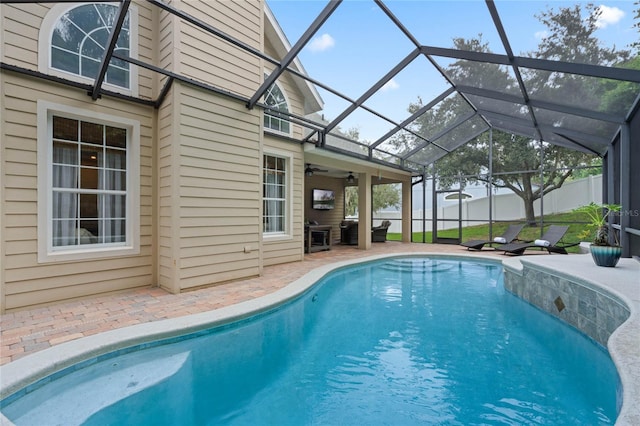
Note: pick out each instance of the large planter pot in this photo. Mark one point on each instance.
(605, 255)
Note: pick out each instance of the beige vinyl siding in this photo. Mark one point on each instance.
(167, 241)
(295, 104)
(233, 70)
(20, 28)
(19, 190)
(239, 19)
(209, 59)
(168, 250)
(166, 39)
(325, 217)
(288, 250)
(219, 189)
(148, 16)
(26, 282)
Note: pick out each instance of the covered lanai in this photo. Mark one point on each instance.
(485, 87)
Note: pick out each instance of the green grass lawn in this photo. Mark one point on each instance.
(576, 222)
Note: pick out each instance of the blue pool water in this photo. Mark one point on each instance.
(400, 341)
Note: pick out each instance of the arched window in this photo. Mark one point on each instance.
(79, 38)
(275, 99)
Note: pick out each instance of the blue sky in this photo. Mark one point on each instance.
(359, 44)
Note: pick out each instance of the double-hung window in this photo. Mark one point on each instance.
(88, 185)
(274, 204)
(89, 188)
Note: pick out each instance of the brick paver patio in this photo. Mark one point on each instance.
(27, 331)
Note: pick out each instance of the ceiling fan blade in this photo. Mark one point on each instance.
(310, 169)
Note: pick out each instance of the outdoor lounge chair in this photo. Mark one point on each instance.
(549, 241)
(509, 236)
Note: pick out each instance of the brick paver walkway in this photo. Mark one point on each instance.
(27, 331)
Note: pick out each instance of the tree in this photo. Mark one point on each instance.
(571, 39)
(592, 169)
(517, 160)
(511, 154)
(636, 45)
(351, 200)
(383, 196)
(620, 94)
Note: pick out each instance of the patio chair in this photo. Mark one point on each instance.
(379, 233)
(549, 241)
(509, 236)
(349, 232)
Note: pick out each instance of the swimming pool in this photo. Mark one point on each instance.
(397, 341)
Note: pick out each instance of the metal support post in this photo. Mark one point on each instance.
(491, 184)
(424, 206)
(541, 189)
(625, 188)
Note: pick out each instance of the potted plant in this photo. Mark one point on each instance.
(603, 252)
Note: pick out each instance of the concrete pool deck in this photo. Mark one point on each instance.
(59, 335)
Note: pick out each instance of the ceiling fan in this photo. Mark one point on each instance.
(310, 170)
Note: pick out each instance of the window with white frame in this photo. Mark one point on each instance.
(73, 39)
(275, 99)
(88, 174)
(274, 183)
(80, 38)
(89, 183)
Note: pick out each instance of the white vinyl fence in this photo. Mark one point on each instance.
(475, 211)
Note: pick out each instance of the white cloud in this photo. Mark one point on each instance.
(609, 16)
(321, 43)
(541, 35)
(390, 85)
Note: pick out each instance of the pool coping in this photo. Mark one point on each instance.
(28, 370)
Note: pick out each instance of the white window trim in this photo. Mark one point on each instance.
(46, 251)
(287, 234)
(44, 49)
(286, 98)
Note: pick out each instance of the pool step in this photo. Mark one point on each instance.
(417, 265)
